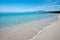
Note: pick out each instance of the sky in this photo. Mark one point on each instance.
(28, 5)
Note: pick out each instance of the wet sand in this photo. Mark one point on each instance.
(50, 33)
(26, 31)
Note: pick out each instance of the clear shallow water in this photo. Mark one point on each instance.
(10, 19)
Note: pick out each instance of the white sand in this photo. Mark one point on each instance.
(59, 16)
(50, 33)
(25, 31)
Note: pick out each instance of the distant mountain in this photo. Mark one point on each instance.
(39, 11)
(53, 12)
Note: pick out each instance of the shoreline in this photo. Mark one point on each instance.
(50, 33)
(27, 30)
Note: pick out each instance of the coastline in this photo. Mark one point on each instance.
(26, 31)
(50, 33)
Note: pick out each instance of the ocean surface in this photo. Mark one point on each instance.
(11, 19)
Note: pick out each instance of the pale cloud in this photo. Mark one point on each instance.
(50, 7)
(55, 2)
(46, 7)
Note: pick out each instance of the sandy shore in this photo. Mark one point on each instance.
(50, 33)
(26, 31)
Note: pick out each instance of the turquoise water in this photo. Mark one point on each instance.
(10, 19)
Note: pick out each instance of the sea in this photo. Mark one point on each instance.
(11, 19)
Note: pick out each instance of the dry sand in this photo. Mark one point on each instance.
(26, 31)
(50, 33)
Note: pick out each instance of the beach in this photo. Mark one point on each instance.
(26, 31)
(52, 32)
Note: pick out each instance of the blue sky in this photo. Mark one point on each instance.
(28, 5)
